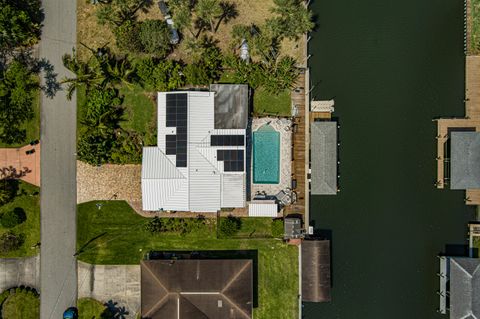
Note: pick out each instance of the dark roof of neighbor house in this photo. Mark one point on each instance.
(316, 274)
(465, 159)
(231, 105)
(324, 158)
(464, 287)
(197, 289)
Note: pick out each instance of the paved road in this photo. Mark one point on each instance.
(58, 267)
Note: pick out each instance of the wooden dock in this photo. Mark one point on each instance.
(300, 150)
(471, 120)
(472, 87)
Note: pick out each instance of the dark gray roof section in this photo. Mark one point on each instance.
(231, 105)
(196, 289)
(323, 147)
(464, 287)
(465, 160)
(316, 283)
(293, 228)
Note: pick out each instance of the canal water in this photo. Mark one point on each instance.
(391, 66)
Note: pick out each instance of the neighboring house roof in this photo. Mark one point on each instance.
(323, 158)
(197, 289)
(231, 105)
(194, 166)
(464, 288)
(465, 160)
(316, 283)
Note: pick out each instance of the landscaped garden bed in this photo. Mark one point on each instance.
(20, 303)
(115, 234)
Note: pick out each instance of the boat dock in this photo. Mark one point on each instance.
(300, 152)
(471, 121)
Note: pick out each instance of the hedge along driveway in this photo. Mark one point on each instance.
(115, 235)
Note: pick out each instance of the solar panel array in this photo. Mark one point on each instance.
(227, 140)
(176, 116)
(232, 160)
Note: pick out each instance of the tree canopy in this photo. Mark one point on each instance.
(17, 86)
(20, 23)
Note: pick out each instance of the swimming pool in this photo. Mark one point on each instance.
(266, 155)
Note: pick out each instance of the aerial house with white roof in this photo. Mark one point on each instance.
(199, 162)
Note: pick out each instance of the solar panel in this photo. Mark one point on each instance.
(176, 116)
(227, 140)
(232, 160)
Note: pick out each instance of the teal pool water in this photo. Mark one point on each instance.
(266, 155)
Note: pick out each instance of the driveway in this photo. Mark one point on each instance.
(111, 284)
(16, 163)
(19, 271)
(58, 266)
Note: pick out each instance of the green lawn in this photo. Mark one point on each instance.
(115, 235)
(90, 308)
(32, 126)
(140, 112)
(256, 227)
(265, 103)
(27, 198)
(474, 41)
(21, 305)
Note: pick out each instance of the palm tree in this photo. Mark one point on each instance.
(84, 74)
(209, 10)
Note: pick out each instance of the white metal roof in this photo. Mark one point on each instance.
(263, 208)
(202, 186)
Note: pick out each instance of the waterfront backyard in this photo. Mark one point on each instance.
(391, 69)
(115, 234)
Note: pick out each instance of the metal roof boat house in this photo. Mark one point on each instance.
(323, 180)
(199, 162)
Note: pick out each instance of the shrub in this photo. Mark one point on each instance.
(126, 37)
(277, 228)
(13, 218)
(10, 241)
(230, 226)
(8, 190)
(160, 75)
(196, 74)
(154, 225)
(154, 36)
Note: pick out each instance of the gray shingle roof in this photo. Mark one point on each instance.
(324, 158)
(464, 288)
(231, 105)
(465, 160)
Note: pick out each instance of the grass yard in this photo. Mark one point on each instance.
(21, 305)
(90, 308)
(28, 198)
(268, 104)
(140, 113)
(32, 126)
(115, 235)
(474, 23)
(257, 227)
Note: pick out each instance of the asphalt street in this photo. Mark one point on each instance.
(58, 267)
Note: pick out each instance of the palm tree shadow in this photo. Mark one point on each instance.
(114, 311)
(52, 86)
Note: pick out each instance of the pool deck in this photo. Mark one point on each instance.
(471, 120)
(282, 126)
(300, 149)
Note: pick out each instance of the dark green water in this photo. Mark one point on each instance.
(391, 66)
